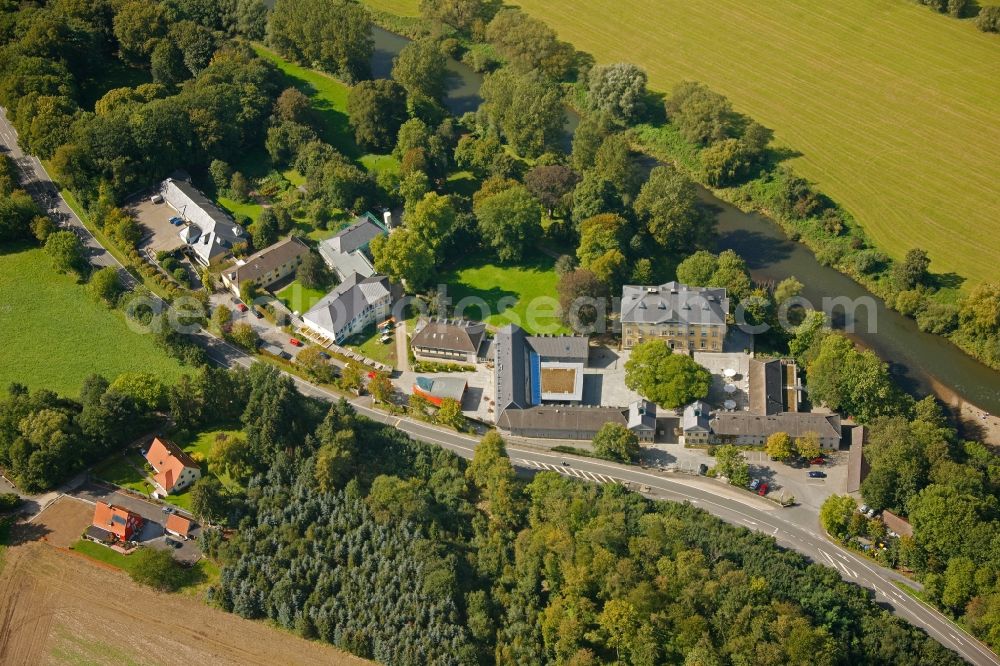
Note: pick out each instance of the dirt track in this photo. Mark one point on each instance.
(60, 608)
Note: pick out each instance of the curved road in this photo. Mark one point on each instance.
(796, 528)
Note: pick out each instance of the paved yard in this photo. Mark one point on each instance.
(717, 363)
(152, 532)
(158, 234)
(604, 378)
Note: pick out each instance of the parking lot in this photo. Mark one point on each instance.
(159, 234)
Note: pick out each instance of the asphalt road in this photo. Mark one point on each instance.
(796, 528)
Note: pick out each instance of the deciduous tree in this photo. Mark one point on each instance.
(668, 379)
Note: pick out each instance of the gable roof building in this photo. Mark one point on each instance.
(175, 469)
(538, 387)
(211, 233)
(267, 266)
(354, 304)
(745, 428)
(774, 386)
(347, 252)
(178, 525)
(123, 524)
(448, 340)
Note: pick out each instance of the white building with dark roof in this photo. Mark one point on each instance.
(687, 318)
(210, 233)
(354, 304)
(346, 252)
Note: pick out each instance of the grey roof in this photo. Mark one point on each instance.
(345, 264)
(560, 347)
(766, 394)
(510, 369)
(335, 310)
(796, 424)
(267, 260)
(357, 235)
(696, 417)
(642, 416)
(674, 302)
(457, 336)
(857, 466)
(444, 387)
(215, 231)
(559, 419)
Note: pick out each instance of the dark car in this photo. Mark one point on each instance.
(817, 475)
(703, 469)
(172, 543)
(820, 460)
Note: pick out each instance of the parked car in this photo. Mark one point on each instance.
(754, 483)
(863, 508)
(176, 221)
(703, 469)
(167, 509)
(819, 460)
(172, 543)
(242, 307)
(257, 313)
(817, 475)
(295, 342)
(870, 513)
(762, 490)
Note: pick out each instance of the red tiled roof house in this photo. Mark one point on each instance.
(122, 523)
(175, 469)
(178, 526)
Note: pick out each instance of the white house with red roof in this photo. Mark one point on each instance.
(175, 469)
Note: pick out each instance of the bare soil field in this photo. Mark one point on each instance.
(558, 380)
(62, 522)
(61, 608)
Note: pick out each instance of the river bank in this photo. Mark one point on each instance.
(923, 363)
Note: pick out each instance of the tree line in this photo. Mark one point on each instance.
(402, 552)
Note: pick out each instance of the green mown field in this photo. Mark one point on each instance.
(522, 294)
(54, 335)
(894, 109)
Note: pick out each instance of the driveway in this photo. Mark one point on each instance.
(152, 534)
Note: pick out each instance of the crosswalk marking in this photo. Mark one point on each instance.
(566, 470)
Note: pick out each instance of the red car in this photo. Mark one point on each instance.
(296, 342)
(817, 461)
(241, 307)
(762, 490)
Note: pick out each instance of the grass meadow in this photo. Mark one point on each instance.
(55, 335)
(507, 290)
(893, 109)
(329, 101)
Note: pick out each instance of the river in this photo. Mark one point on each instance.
(922, 362)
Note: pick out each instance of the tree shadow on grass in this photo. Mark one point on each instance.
(334, 126)
(22, 533)
(945, 280)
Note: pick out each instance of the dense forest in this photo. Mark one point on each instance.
(402, 552)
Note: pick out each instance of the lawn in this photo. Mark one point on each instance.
(121, 471)
(369, 343)
(55, 335)
(329, 100)
(202, 574)
(299, 298)
(251, 210)
(522, 294)
(409, 8)
(895, 109)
